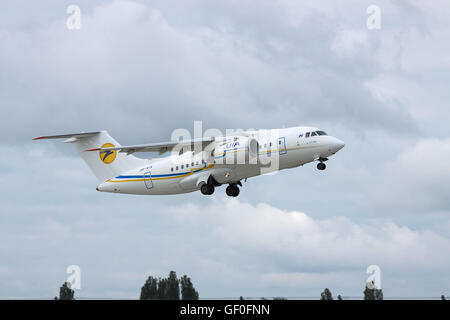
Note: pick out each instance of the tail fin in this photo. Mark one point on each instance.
(104, 164)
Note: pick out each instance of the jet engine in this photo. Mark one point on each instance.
(238, 150)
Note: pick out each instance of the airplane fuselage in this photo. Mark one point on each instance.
(275, 149)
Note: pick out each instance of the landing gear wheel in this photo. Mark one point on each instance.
(232, 190)
(207, 189)
(321, 166)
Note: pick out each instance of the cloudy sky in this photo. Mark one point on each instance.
(141, 69)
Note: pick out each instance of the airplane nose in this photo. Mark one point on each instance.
(340, 144)
(337, 145)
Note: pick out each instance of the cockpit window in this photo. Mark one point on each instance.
(313, 134)
(300, 135)
(321, 133)
(307, 134)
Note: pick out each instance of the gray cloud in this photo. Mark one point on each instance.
(210, 73)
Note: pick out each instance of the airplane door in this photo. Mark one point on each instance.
(148, 179)
(282, 145)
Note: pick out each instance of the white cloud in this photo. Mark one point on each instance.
(416, 178)
(349, 42)
(229, 248)
(291, 246)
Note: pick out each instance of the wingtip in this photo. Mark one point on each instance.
(94, 149)
(38, 138)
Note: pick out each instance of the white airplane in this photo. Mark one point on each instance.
(200, 164)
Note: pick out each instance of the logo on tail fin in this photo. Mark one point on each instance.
(108, 156)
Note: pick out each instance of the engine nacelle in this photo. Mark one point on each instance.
(238, 150)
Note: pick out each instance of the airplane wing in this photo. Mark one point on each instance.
(161, 147)
(71, 136)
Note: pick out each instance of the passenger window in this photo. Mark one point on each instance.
(270, 144)
(176, 168)
(196, 163)
(187, 165)
(192, 164)
(182, 166)
(313, 134)
(171, 169)
(307, 135)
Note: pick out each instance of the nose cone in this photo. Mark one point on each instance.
(337, 145)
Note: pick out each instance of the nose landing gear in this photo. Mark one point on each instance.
(321, 165)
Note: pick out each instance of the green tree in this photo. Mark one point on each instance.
(173, 287)
(162, 289)
(326, 295)
(372, 293)
(188, 291)
(65, 292)
(339, 297)
(150, 289)
(168, 288)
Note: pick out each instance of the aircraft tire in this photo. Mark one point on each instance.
(207, 189)
(232, 191)
(321, 166)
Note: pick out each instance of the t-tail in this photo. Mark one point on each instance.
(104, 164)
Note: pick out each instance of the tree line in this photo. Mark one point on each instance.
(172, 288)
(370, 293)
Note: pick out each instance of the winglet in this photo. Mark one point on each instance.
(94, 149)
(38, 138)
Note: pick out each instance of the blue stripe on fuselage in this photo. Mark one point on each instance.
(157, 175)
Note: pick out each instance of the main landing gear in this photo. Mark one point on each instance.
(208, 188)
(232, 190)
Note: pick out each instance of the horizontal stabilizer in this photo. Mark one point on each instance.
(104, 165)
